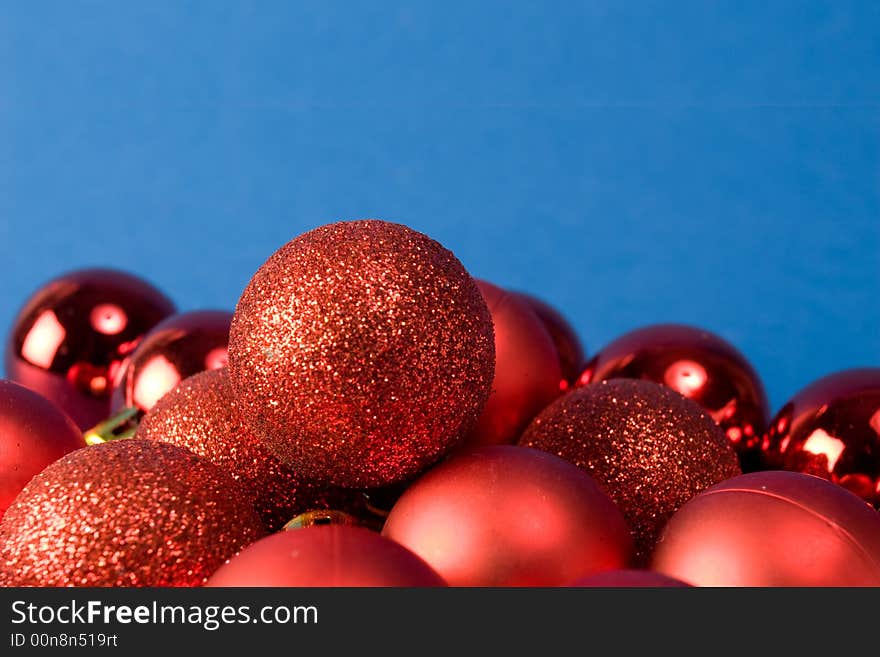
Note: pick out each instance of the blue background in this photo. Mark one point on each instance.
(716, 163)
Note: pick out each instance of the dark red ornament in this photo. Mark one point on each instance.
(831, 429)
(568, 345)
(628, 579)
(176, 348)
(510, 516)
(527, 371)
(773, 529)
(71, 337)
(699, 365)
(125, 513)
(330, 555)
(34, 432)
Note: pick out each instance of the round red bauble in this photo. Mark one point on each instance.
(565, 338)
(71, 337)
(361, 352)
(201, 415)
(176, 348)
(125, 513)
(831, 429)
(510, 516)
(629, 579)
(773, 529)
(647, 446)
(33, 433)
(698, 365)
(527, 371)
(330, 555)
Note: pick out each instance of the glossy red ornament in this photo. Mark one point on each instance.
(176, 348)
(628, 579)
(699, 365)
(650, 448)
(773, 529)
(330, 555)
(831, 429)
(568, 345)
(510, 516)
(125, 513)
(33, 433)
(527, 372)
(361, 352)
(70, 338)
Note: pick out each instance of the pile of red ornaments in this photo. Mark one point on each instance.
(371, 415)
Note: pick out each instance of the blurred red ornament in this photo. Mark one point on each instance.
(330, 555)
(71, 337)
(527, 371)
(510, 516)
(33, 433)
(176, 348)
(125, 513)
(361, 352)
(647, 446)
(831, 429)
(201, 415)
(699, 365)
(568, 345)
(629, 579)
(773, 529)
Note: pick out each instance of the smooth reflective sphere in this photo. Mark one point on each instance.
(565, 339)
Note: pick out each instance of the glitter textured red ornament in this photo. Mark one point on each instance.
(629, 579)
(361, 352)
(647, 446)
(568, 345)
(176, 348)
(201, 415)
(70, 338)
(510, 516)
(33, 433)
(773, 529)
(831, 429)
(331, 555)
(699, 365)
(125, 513)
(527, 372)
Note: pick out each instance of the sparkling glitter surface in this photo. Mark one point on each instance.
(649, 447)
(361, 353)
(125, 513)
(201, 415)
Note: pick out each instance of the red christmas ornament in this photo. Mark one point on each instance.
(831, 429)
(201, 415)
(773, 529)
(125, 513)
(629, 579)
(69, 340)
(177, 348)
(565, 339)
(527, 371)
(33, 433)
(509, 516)
(331, 555)
(361, 352)
(647, 446)
(698, 365)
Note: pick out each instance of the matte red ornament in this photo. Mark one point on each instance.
(510, 516)
(201, 415)
(330, 555)
(773, 529)
(34, 432)
(699, 365)
(71, 337)
(361, 352)
(831, 429)
(568, 345)
(629, 579)
(125, 513)
(527, 371)
(650, 448)
(176, 348)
